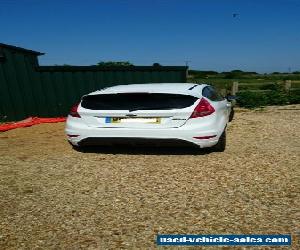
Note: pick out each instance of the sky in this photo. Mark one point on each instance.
(263, 37)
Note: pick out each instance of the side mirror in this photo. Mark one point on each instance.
(231, 98)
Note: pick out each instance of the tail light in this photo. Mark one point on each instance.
(202, 109)
(74, 112)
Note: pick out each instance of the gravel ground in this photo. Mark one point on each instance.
(53, 197)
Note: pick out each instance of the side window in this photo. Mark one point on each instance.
(212, 94)
(215, 96)
(206, 92)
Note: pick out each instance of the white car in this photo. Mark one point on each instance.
(156, 113)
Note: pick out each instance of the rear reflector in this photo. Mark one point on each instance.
(202, 109)
(74, 112)
(72, 135)
(204, 137)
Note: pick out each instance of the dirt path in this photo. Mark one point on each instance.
(53, 197)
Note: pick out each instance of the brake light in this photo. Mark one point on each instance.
(74, 112)
(202, 109)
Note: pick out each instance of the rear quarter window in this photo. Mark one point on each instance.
(211, 94)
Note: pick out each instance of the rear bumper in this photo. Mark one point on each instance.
(81, 135)
(110, 141)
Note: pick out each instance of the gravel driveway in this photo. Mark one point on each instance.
(53, 197)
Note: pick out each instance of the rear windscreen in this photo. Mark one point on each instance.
(137, 101)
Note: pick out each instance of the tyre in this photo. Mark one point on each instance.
(221, 145)
(231, 115)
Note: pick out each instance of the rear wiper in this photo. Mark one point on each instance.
(138, 108)
(147, 108)
(135, 109)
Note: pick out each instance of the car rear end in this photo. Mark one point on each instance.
(144, 117)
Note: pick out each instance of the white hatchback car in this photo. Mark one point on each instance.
(158, 113)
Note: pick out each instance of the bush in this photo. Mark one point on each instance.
(232, 75)
(250, 99)
(269, 86)
(276, 96)
(294, 96)
(266, 86)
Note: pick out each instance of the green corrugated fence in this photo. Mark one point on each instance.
(27, 89)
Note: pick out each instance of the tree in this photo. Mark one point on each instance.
(233, 74)
(156, 65)
(202, 73)
(237, 71)
(114, 63)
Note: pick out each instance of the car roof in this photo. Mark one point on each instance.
(192, 89)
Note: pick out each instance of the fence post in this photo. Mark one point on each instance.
(287, 85)
(235, 88)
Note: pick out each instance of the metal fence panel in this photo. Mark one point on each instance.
(27, 89)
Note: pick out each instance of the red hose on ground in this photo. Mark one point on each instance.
(29, 122)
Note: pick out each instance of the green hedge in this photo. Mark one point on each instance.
(253, 99)
(294, 96)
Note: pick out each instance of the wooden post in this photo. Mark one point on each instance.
(287, 85)
(235, 88)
